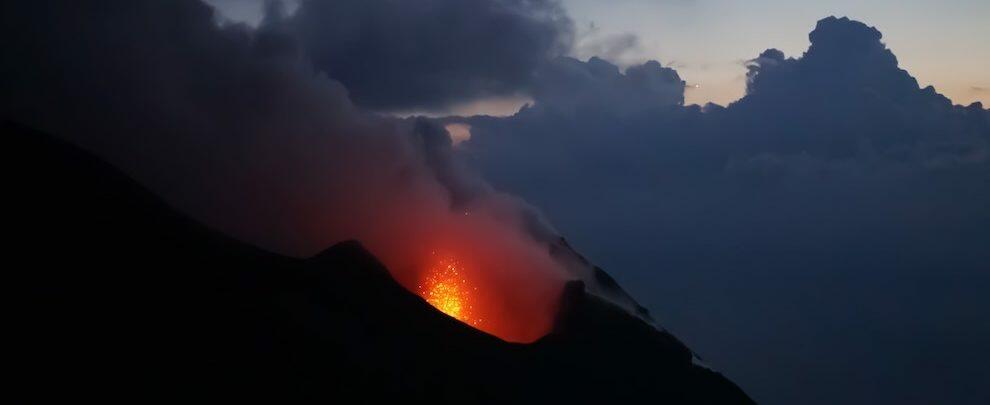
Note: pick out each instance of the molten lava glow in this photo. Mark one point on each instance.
(446, 288)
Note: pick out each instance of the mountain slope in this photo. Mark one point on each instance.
(120, 298)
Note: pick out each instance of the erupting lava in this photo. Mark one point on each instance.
(502, 289)
(447, 289)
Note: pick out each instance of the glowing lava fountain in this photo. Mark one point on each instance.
(445, 287)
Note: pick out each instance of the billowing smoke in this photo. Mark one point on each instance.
(399, 54)
(235, 126)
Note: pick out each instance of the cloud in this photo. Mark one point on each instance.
(836, 177)
(404, 55)
(618, 48)
(570, 85)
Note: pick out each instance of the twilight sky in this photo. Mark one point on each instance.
(942, 43)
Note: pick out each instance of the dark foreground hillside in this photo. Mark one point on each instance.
(116, 297)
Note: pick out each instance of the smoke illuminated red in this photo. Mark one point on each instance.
(381, 193)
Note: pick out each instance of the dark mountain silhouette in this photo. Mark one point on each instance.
(119, 298)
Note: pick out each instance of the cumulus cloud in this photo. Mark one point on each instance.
(597, 85)
(835, 171)
(401, 55)
(847, 96)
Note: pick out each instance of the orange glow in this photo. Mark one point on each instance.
(446, 287)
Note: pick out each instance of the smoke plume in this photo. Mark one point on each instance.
(237, 127)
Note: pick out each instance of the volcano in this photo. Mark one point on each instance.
(119, 297)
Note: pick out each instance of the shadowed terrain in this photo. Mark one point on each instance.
(122, 298)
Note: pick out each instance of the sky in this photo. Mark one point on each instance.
(820, 240)
(943, 43)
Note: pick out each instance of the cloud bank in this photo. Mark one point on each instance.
(837, 206)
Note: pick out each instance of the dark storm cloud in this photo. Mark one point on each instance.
(396, 54)
(838, 209)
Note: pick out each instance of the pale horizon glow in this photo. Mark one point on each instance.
(941, 43)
